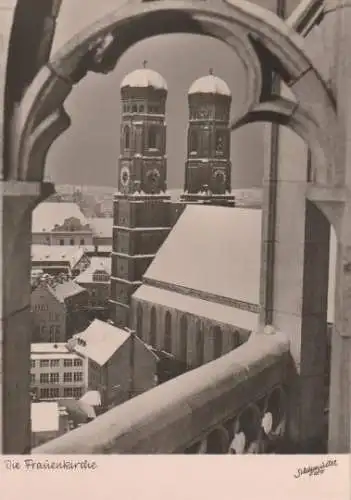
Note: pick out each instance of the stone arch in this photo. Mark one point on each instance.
(41, 116)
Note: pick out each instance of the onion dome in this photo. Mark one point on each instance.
(210, 84)
(144, 78)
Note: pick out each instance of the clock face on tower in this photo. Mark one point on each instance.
(124, 176)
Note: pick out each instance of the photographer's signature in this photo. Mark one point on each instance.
(315, 470)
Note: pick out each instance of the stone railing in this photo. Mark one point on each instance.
(235, 404)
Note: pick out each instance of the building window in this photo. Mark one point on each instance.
(77, 362)
(134, 108)
(82, 241)
(44, 363)
(139, 317)
(67, 362)
(54, 378)
(217, 342)
(168, 332)
(77, 392)
(67, 377)
(44, 378)
(71, 241)
(152, 337)
(183, 349)
(62, 242)
(200, 344)
(78, 376)
(44, 393)
(68, 392)
(126, 134)
(152, 137)
(32, 378)
(141, 108)
(32, 363)
(54, 393)
(194, 143)
(54, 363)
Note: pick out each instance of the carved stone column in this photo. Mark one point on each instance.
(17, 200)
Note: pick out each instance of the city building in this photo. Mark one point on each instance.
(96, 280)
(59, 309)
(60, 223)
(48, 421)
(56, 372)
(55, 259)
(119, 365)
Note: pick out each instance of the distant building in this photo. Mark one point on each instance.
(56, 259)
(56, 372)
(57, 223)
(102, 231)
(59, 309)
(195, 304)
(48, 421)
(120, 365)
(96, 280)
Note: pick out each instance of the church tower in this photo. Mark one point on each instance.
(208, 165)
(141, 206)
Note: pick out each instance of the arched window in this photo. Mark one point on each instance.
(217, 342)
(235, 340)
(200, 344)
(194, 143)
(126, 137)
(139, 320)
(152, 137)
(168, 332)
(152, 336)
(183, 341)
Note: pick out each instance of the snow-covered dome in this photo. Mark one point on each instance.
(210, 84)
(144, 78)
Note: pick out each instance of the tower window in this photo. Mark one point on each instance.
(141, 108)
(134, 108)
(152, 137)
(126, 137)
(194, 144)
(153, 326)
(168, 332)
(183, 348)
(219, 142)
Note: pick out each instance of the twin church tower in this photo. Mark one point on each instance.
(143, 211)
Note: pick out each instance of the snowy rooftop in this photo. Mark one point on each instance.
(96, 264)
(214, 250)
(57, 253)
(48, 348)
(217, 250)
(45, 416)
(210, 84)
(100, 341)
(144, 78)
(63, 291)
(101, 226)
(46, 215)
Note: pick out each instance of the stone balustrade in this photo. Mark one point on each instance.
(235, 404)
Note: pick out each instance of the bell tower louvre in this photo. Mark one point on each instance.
(142, 208)
(208, 165)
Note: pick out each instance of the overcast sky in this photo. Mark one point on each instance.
(88, 152)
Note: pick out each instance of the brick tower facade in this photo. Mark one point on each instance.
(208, 165)
(142, 209)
